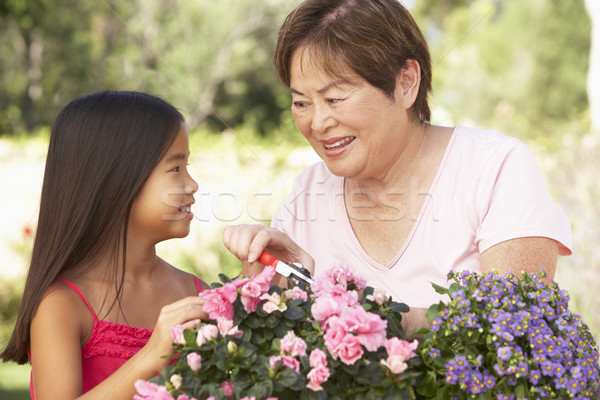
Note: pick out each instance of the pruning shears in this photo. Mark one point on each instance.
(293, 271)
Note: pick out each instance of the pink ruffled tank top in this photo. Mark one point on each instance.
(110, 345)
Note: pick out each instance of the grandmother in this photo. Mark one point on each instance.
(397, 199)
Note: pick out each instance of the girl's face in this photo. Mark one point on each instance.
(162, 210)
(353, 126)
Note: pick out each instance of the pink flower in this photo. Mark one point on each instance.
(185, 397)
(296, 293)
(317, 358)
(401, 348)
(176, 380)
(177, 334)
(369, 327)
(334, 335)
(206, 333)
(194, 360)
(273, 303)
(399, 351)
(341, 343)
(264, 278)
(286, 361)
(218, 302)
(293, 345)
(350, 349)
(324, 308)
(226, 327)
(150, 391)
(379, 296)
(227, 388)
(338, 275)
(248, 398)
(256, 287)
(316, 377)
(250, 296)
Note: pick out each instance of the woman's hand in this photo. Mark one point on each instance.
(247, 242)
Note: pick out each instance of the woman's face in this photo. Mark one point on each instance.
(353, 126)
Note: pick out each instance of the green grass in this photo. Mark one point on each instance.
(14, 381)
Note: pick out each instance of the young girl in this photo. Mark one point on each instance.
(98, 304)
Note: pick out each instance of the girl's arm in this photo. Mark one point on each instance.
(56, 349)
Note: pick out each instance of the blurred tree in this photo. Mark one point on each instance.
(511, 65)
(203, 56)
(190, 53)
(46, 58)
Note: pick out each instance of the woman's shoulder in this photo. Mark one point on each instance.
(486, 139)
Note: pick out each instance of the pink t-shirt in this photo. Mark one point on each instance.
(488, 189)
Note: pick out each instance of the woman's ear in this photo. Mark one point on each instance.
(407, 84)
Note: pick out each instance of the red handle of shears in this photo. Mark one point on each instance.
(267, 259)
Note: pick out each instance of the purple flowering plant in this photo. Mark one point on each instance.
(338, 339)
(505, 337)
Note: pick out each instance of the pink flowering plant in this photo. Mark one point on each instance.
(338, 339)
(505, 337)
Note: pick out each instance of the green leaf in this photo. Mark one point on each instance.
(294, 313)
(287, 377)
(399, 307)
(261, 390)
(272, 320)
(428, 387)
(281, 329)
(190, 337)
(439, 289)
(253, 322)
(433, 312)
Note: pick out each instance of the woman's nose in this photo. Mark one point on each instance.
(321, 119)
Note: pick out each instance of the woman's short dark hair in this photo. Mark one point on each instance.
(374, 38)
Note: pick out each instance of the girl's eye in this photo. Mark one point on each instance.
(176, 169)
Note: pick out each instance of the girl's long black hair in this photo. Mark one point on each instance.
(103, 146)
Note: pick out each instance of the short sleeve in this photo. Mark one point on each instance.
(513, 201)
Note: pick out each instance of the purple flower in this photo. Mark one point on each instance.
(504, 353)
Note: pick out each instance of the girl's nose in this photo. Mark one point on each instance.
(191, 185)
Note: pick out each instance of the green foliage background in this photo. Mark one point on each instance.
(512, 65)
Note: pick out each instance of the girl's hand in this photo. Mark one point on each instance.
(186, 312)
(247, 242)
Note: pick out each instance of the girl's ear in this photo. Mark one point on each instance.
(407, 83)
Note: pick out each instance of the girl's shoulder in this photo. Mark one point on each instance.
(190, 283)
(62, 307)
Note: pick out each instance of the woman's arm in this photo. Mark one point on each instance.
(528, 254)
(516, 255)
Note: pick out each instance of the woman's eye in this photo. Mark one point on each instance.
(299, 104)
(176, 169)
(333, 101)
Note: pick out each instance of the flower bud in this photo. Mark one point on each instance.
(232, 347)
